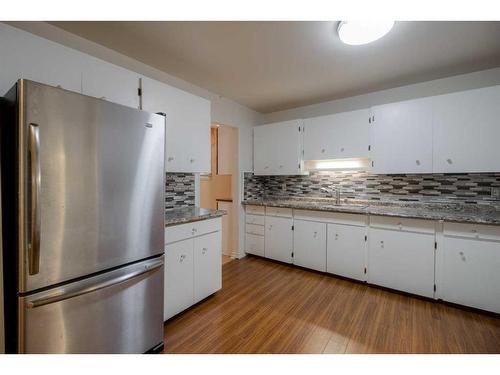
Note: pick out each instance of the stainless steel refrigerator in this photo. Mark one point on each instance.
(82, 223)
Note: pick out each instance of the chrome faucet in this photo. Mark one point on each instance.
(331, 190)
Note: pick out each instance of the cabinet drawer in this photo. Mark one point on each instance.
(254, 244)
(255, 219)
(255, 229)
(178, 232)
(480, 231)
(403, 224)
(331, 217)
(207, 226)
(255, 210)
(182, 231)
(279, 211)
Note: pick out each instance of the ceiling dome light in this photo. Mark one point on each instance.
(363, 32)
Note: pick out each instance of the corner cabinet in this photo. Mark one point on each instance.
(338, 136)
(187, 143)
(401, 137)
(278, 148)
(193, 268)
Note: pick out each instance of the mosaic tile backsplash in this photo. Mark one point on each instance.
(179, 190)
(466, 187)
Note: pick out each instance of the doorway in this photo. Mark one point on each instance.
(217, 187)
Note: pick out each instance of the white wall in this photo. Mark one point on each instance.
(462, 82)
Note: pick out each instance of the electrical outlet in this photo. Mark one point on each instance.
(495, 192)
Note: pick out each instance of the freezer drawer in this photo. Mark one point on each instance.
(120, 311)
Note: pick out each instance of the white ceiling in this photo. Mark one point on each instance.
(271, 66)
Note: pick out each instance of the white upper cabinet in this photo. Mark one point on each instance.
(278, 148)
(467, 131)
(401, 137)
(338, 136)
(27, 56)
(188, 126)
(110, 82)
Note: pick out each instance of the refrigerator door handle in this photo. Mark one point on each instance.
(35, 176)
(77, 290)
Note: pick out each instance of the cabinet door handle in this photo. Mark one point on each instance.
(191, 160)
(382, 244)
(449, 161)
(170, 158)
(315, 234)
(270, 227)
(342, 149)
(322, 150)
(204, 250)
(336, 236)
(417, 162)
(182, 258)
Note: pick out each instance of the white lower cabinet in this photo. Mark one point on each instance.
(193, 267)
(254, 230)
(401, 255)
(309, 244)
(179, 281)
(207, 265)
(279, 238)
(470, 264)
(346, 251)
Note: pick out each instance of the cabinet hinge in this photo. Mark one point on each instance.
(435, 245)
(373, 118)
(299, 129)
(434, 287)
(365, 270)
(139, 91)
(370, 119)
(366, 238)
(292, 254)
(372, 164)
(293, 227)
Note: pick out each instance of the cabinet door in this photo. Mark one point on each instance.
(466, 131)
(346, 251)
(279, 238)
(342, 135)
(278, 148)
(470, 273)
(178, 277)
(110, 82)
(401, 137)
(402, 261)
(207, 265)
(309, 244)
(187, 135)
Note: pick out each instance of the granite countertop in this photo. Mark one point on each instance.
(184, 215)
(451, 212)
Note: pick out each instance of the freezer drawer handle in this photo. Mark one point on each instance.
(34, 244)
(74, 292)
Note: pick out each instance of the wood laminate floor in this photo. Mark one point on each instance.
(267, 307)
